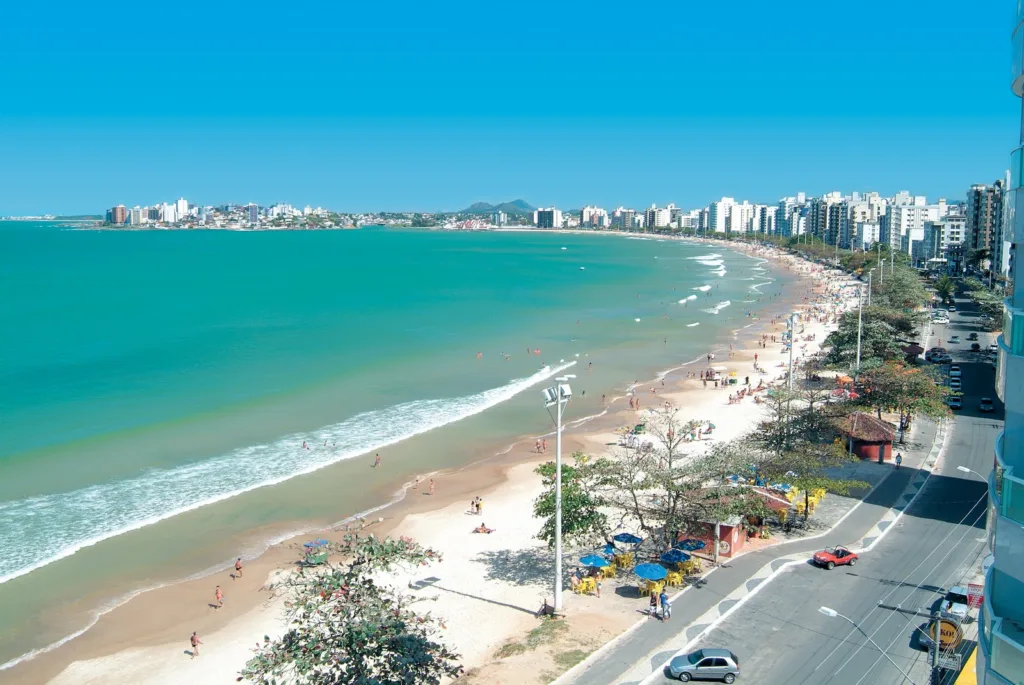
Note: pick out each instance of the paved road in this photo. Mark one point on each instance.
(779, 635)
(618, 664)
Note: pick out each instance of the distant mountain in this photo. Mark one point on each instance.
(514, 207)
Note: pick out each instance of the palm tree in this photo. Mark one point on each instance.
(945, 287)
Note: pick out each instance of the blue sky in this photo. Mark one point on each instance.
(433, 106)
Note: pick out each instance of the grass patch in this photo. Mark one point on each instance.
(566, 660)
(547, 632)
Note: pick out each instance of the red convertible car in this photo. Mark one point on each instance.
(834, 556)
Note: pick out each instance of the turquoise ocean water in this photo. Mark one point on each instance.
(155, 384)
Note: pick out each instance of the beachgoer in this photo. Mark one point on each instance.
(431, 486)
(219, 595)
(195, 642)
(654, 605)
(899, 459)
(666, 607)
(238, 567)
(544, 444)
(538, 445)
(480, 505)
(376, 460)
(482, 528)
(304, 446)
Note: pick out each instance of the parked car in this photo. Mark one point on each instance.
(942, 359)
(954, 371)
(954, 340)
(972, 336)
(993, 348)
(955, 402)
(834, 556)
(954, 384)
(955, 604)
(706, 664)
(952, 307)
(986, 404)
(975, 347)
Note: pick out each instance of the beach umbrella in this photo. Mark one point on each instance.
(608, 549)
(593, 560)
(690, 544)
(315, 543)
(651, 571)
(627, 538)
(674, 556)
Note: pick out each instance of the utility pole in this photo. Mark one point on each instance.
(792, 344)
(870, 272)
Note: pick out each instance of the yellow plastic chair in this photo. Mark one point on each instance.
(674, 579)
(609, 571)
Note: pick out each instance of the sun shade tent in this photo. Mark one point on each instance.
(594, 560)
(628, 538)
(651, 571)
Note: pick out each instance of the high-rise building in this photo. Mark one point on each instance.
(137, 215)
(1000, 653)
(253, 212)
(547, 218)
(719, 213)
(499, 219)
(657, 217)
(117, 215)
(623, 218)
(181, 208)
(984, 215)
(593, 217)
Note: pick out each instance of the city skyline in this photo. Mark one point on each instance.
(445, 109)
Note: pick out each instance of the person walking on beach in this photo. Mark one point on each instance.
(238, 567)
(195, 642)
(431, 486)
(666, 607)
(480, 505)
(219, 596)
(544, 444)
(538, 445)
(376, 460)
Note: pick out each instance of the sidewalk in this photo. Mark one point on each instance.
(644, 648)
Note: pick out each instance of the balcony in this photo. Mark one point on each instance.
(1013, 328)
(1007, 655)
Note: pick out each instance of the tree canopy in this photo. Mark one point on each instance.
(348, 629)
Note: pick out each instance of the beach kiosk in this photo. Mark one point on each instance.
(868, 436)
(315, 552)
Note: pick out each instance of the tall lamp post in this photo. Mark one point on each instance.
(558, 396)
(832, 613)
(870, 273)
(860, 321)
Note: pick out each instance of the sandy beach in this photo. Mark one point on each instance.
(488, 587)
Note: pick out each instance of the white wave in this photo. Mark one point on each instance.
(703, 288)
(687, 299)
(637, 320)
(691, 325)
(719, 271)
(757, 286)
(758, 268)
(710, 262)
(718, 307)
(705, 256)
(37, 531)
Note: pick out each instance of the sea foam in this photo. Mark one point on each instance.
(718, 307)
(60, 524)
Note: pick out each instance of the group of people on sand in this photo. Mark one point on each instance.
(577, 576)
(218, 602)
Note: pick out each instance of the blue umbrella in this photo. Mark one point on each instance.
(628, 538)
(608, 549)
(674, 556)
(651, 571)
(594, 560)
(315, 543)
(690, 544)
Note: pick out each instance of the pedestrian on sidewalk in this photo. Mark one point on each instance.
(666, 606)
(654, 605)
(899, 459)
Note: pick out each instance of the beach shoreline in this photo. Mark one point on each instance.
(130, 627)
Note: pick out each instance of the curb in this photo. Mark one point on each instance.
(868, 542)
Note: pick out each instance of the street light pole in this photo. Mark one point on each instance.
(860, 320)
(832, 613)
(870, 272)
(792, 344)
(558, 395)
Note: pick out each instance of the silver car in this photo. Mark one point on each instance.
(706, 664)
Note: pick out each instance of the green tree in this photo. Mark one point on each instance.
(944, 288)
(347, 629)
(877, 341)
(583, 520)
(908, 391)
